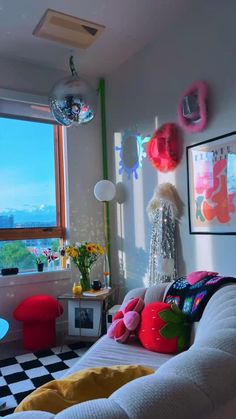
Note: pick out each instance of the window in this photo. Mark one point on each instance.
(32, 207)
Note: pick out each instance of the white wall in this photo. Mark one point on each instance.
(84, 167)
(200, 45)
(26, 77)
(84, 171)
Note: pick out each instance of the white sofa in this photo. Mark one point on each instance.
(198, 383)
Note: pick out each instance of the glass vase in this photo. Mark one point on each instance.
(85, 279)
(51, 265)
(106, 272)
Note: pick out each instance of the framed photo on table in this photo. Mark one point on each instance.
(211, 170)
(84, 317)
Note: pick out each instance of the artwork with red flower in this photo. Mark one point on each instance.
(212, 185)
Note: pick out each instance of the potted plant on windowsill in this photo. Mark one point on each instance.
(40, 263)
(39, 259)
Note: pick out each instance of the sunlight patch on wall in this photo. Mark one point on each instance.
(156, 122)
(121, 238)
(138, 205)
(117, 142)
(122, 264)
(120, 211)
(146, 279)
(119, 178)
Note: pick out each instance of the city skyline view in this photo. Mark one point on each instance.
(36, 217)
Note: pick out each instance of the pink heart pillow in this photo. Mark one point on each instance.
(197, 276)
(126, 321)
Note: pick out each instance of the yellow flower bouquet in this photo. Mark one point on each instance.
(84, 255)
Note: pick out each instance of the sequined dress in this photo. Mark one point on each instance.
(162, 257)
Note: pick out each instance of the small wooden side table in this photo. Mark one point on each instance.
(86, 314)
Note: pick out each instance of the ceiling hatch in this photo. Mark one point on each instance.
(66, 29)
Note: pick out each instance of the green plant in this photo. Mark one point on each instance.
(38, 256)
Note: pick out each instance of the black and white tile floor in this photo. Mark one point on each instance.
(20, 375)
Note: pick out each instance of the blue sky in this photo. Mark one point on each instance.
(26, 164)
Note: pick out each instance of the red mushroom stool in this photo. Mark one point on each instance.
(38, 314)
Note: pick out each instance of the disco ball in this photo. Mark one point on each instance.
(73, 101)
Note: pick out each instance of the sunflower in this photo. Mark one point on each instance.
(100, 249)
(68, 251)
(84, 254)
(89, 248)
(96, 248)
(74, 253)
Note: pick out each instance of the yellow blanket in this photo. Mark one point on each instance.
(84, 385)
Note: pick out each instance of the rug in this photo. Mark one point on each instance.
(20, 375)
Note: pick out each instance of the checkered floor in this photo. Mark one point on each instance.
(19, 376)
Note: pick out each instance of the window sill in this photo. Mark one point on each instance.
(36, 277)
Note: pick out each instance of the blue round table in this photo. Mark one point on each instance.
(4, 327)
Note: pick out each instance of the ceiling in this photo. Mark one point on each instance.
(130, 25)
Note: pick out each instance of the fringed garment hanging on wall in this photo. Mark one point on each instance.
(163, 210)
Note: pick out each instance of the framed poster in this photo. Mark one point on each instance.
(84, 318)
(211, 167)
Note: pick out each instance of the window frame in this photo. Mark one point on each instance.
(58, 231)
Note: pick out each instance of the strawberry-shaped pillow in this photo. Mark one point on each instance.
(126, 321)
(163, 328)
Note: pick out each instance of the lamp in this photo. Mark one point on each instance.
(73, 100)
(105, 191)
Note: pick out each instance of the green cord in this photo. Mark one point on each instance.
(103, 128)
(102, 91)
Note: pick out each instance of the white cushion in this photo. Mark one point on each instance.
(107, 352)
